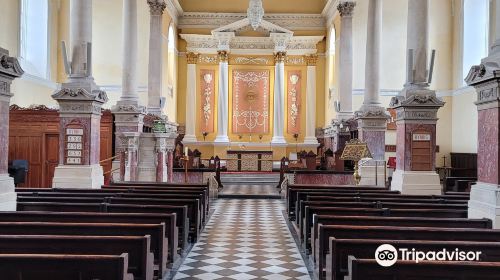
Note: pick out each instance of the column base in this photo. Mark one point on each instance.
(154, 111)
(485, 203)
(8, 194)
(311, 140)
(278, 140)
(188, 139)
(344, 115)
(368, 174)
(416, 182)
(83, 176)
(221, 139)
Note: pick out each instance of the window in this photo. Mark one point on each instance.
(34, 38)
(476, 30)
(171, 56)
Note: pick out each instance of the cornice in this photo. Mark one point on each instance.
(217, 20)
(208, 44)
(330, 11)
(174, 9)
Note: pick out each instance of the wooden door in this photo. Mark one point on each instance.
(421, 151)
(51, 158)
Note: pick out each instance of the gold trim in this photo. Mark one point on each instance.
(192, 58)
(223, 56)
(311, 60)
(279, 57)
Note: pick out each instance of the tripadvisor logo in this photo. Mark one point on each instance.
(386, 255)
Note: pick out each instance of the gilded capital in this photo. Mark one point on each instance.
(311, 60)
(223, 56)
(346, 8)
(192, 58)
(156, 7)
(279, 57)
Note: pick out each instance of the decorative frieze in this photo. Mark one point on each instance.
(311, 60)
(208, 59)
(252, 60)
(295, 60)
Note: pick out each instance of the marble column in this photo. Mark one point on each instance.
(156, 8)
(9, 70)
(223, 101)
(416, 107)
(310, 138)
(80, 101)
(372, 117)
(128, 113)
(279, 99)
(190, 136)
(485, 195)
(346, 10)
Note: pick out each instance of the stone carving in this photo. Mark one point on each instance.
(15, 107)
(311, 60)
(80, 94)
(374, 113)
(251, 60)
(295, 60)
(346, 8)
(208, 59)
(223, 56)
(156, 7)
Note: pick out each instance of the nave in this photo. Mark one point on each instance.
(245, 239)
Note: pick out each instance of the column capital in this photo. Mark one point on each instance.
(279, 57)
(156, 7)
(192, 58)
(346, 8)
(223, 56)
(311, 60)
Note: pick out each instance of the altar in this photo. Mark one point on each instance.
(238, 160)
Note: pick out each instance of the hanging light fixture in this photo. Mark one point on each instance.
(255, 13)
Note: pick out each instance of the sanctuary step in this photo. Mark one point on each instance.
(250, 178)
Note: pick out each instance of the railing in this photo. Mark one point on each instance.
(384, 164)
(108, 159)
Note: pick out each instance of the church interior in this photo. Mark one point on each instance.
(250, 139)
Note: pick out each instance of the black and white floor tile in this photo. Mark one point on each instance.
(245, 239)
(250, 189)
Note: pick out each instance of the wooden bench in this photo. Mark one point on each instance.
(341, 249)
(171, 230)
(159, 244)
(64, 267)
(137, 247)
(180, 211)
(396, 233)
(392, 221)
(362, 269)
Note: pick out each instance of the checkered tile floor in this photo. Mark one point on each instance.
(245, 239)
(242, 189)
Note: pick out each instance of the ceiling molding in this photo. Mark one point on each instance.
(217, 20)
(174, 9)
(330, 11)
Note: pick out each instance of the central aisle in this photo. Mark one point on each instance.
(245, 239)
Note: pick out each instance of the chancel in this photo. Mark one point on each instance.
(249, 139)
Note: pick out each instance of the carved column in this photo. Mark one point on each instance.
(416, 108)
(310, 138)
(279, 99)
(485, 78)
(163, 144)
(372, 118)
(80, 101)
(130, 144)
(9, 70)
(223, 101)
(345, 60)
(190, 136)
(156, 8)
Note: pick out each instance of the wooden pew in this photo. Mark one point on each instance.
(397, 233)
(341, 249)
(392, 221)
(137, 247)
(363, 269)
(171, 230)
(180, 212)
(64, 267)
(159, 244)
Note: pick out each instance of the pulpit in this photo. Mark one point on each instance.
(238, 160)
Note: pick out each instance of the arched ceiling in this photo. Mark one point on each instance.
(240, 6)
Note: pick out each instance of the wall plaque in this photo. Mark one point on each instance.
(421, 137)
(74, 144)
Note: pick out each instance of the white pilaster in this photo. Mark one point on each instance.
(345, 60)
(310, 138)
(223, 102)
(190, 136)
(155, 62)
(279, 100)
